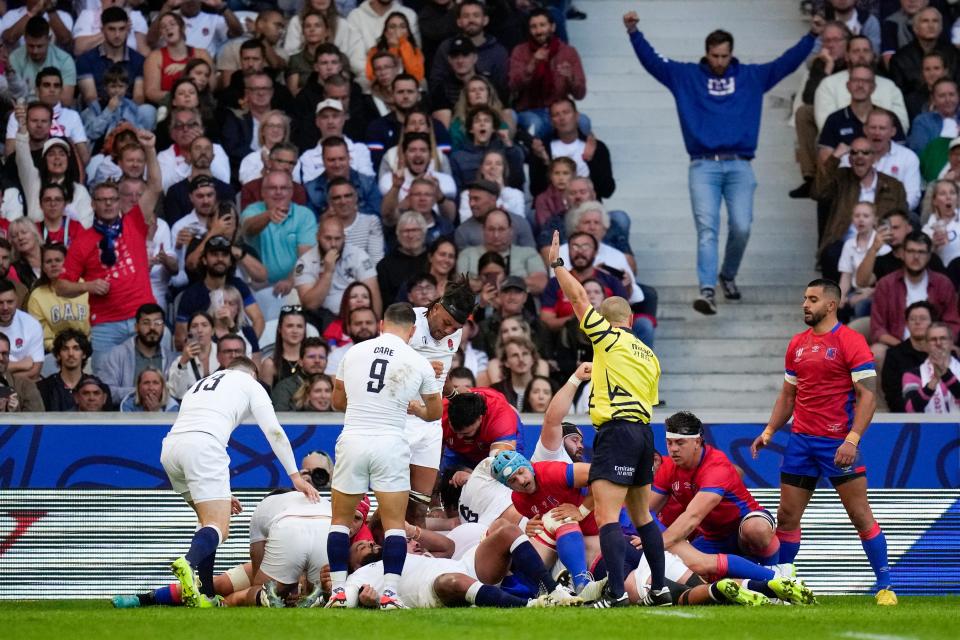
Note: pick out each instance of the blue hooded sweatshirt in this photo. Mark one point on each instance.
(720, 115)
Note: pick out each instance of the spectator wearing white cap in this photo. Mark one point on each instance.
(330, 119)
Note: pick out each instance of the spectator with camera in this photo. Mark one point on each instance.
(17, 393)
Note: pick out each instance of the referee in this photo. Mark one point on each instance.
(624, 381)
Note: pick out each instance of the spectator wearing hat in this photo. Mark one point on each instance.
(71, 349)
(482, 198)
(17, 393)
(147, 348)
(217, 262)
(91, 394)
(409, 255)
(951, 168)
(25, 356)
(513, 301)
(448, 81)
(280, 231)
(176, 202)
(109, 260)
(197, 223)
(330, 119)
(498, 235)
(313, 360)
(491, 58)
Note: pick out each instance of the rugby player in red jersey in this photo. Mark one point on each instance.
(830, 389)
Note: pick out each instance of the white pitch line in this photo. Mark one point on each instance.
(677, 614)
(857, 635)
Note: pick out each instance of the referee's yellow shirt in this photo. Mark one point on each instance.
(626, 373)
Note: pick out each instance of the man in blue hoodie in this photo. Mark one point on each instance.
(719, 101)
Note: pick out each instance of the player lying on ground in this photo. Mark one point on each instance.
(428, 582)
(376, 382)
(194, 455)
(552, 490)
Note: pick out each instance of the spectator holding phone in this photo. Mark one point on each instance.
(16, 392)
(198, 358)
(523, 262)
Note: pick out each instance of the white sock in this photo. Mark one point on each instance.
(471, 595)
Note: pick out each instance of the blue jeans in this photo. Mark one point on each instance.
(734, 182)
(107, 335)
(539, 120)
(618, 235)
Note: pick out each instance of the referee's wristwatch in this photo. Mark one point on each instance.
(556, 263)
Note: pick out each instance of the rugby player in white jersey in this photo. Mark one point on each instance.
(194, 455)
(559, 440)
(439, 329)
(428, 582)
(377, 380)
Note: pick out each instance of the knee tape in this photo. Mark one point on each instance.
(238, 578)
(552, 525)
(420, 498)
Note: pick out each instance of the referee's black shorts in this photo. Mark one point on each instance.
(623, 453)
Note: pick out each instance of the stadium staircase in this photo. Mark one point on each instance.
(733, 360)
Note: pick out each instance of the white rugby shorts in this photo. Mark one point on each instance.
(198, 466)
(426, 442)
(381, 463)
(296, 546)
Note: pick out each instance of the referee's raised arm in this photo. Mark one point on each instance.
(572, 289)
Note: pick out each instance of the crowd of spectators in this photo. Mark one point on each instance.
(876, 115)
(188, 181)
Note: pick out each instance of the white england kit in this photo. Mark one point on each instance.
(295, 531)
(673, 570)
(426, 438)
(194, 452)
(380, 376)
(416, 581)
(483, 499)
(542, 454)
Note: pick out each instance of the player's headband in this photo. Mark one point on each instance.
(671, 435)
(459, 315)
(570, 429)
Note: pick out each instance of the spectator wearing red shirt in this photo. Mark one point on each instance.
(109, 260)
(542, 71)
(715, 506)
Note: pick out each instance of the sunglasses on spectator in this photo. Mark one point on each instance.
(861, 152)
(290, 308)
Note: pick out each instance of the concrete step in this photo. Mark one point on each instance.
(753, 295)
(759, 403)
(681, 275)
(732, 384)
(735, 365)
(677, 349)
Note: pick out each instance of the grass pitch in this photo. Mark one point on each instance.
(840, 618)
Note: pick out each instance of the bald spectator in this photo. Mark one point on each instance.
(325, 271)
(281, 232)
